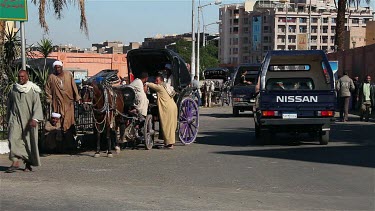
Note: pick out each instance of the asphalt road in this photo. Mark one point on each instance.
(224, 170)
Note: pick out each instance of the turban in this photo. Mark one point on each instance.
(57, 62)
(168, 66)
(55, 115)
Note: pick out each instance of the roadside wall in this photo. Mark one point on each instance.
(357, 62)
(92, 62)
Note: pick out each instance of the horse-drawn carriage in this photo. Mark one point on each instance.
(114, 106)
(217, 85)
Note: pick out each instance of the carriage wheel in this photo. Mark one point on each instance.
(188, 121)
(148, 133)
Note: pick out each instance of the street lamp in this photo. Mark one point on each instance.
(204, 31)
(217, 2)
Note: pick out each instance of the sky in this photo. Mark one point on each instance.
(121, 20)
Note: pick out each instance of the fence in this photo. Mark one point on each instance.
(83, 120)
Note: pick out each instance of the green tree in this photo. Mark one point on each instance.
(58, 7)
(208, 54)
(45, 48)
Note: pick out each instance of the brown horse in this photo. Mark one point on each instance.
(107, 105)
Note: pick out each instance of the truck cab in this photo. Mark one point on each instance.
(296, 94)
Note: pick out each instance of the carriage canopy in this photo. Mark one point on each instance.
(154, 60)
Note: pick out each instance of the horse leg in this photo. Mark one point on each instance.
(97, 153)
(109, 142)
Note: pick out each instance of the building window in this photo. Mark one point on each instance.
(314, 20)
(325, 29)
(325, 20)
(333, 29)
(236, 12)
(266, 29)
(235, 21)
(235, 50)
(303, 20)
(235, 41)
(245, 40)
(302, 29)
(266, 39)
(333, 20)
(245, 29)
(235, 29)
(265, 19)
(265, 48)
(246, 20)
(355, 20)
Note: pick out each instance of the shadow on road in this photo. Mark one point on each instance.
(226, 115)
(342, 155)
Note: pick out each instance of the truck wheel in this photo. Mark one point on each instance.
(324, 137)
(236, 112)
(257, 131)
(265, 136)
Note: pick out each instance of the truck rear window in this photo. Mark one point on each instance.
(290, 84)
(289, 67)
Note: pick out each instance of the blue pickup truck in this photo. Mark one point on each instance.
(243, 94)
(296, 95)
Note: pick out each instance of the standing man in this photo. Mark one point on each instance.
(61, 93)
(344, 87)
(366, 98)
(355, 93)
(24, 110)
(167, 111)
(139, 86)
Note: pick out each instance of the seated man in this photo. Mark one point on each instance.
(243, 78)
(140, 92)
(53, 133)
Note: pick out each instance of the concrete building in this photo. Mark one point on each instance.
(274, 25)
(355, 37)
(234, 30)
(131, 46)
(110, 47)
(370, 33)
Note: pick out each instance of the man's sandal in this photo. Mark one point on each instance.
(12, 169)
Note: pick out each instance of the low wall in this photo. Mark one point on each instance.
(357, 62)
(93, 62)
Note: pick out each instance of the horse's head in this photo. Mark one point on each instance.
(87, 95)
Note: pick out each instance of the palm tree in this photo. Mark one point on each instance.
(58, 7)
(340, 21)
(45, 48)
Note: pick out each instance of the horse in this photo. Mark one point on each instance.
(107, 105)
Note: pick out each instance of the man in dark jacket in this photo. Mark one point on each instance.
(355, 96)
(344, 87)
(366, 98)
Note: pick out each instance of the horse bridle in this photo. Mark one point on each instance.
(90, 91)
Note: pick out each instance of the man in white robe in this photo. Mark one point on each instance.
(140, 93)
(24, 110)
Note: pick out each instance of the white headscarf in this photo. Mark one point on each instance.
(27, 87)
(57, 62)
(55, 115)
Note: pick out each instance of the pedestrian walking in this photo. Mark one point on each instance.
(61, 93)
(344, 87)
(24, 110)
(167, 111)
(366, 98)
(355, 99)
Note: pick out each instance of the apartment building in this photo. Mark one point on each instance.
(234, 31)
(277, 25)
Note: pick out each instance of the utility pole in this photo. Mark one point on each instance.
(309, 34)
(192, 65)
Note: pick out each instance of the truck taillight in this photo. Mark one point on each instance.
(269, 113)
(326, 113)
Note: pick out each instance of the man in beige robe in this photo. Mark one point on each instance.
(24, 111)
(62, 92)
(167, 112)
(53, 133)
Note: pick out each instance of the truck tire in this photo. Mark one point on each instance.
(236, 112)
(257, 131)
(265, 136)
(324, 137)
